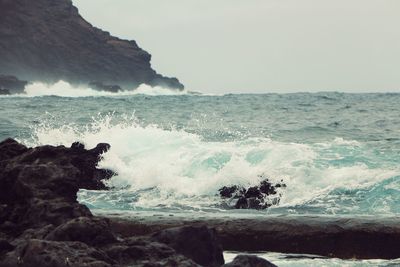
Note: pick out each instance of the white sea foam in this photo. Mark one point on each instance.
(304, 260)
(156, 91)
(184, 167)
(64, 89)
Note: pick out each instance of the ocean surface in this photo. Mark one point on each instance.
(338, 154)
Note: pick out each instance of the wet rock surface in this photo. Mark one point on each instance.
(262, 196)
(249, 261)
(345, 237)
(196, 242)
(91, 231)
(42, 223)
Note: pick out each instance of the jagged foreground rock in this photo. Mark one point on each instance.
(249, 261)
(42, 223)
(47, 40)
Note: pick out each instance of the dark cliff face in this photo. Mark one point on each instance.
(47, 40)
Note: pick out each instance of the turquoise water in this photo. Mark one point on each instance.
(293, 260)
(338, 153)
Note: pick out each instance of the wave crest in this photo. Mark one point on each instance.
(177, 168)
(65, 89)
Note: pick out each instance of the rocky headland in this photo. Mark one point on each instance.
(11, 85)
(48, 41)
(43, 224)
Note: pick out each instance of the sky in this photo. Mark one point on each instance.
(261, 46)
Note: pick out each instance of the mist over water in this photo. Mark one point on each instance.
(337, 153)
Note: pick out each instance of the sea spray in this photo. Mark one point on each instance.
(65, 89)
(174, 169)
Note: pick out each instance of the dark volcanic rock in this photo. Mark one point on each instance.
(35, 252)
(10, 84)
(249, 261)
(144, 252)
(10, 148)
(196, 242)
(256, 197)
(346, 237)
(5, 246)
(42, 224)
(43, 253)
(104, 87)
(39, 185)
(47, 40)
(96, 231)
(230, 191)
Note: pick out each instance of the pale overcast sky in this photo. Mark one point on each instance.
(262, 45)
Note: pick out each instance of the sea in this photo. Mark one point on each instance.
(337, 153)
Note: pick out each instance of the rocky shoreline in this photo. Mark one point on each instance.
(42, 223)
(344, 237)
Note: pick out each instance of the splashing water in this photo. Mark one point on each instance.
(64, 89)
(337, 153)
(176, 169)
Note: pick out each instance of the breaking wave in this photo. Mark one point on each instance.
(173, 168)
(64, 89)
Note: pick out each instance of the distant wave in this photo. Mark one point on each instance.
(156, 91)
(64, 89)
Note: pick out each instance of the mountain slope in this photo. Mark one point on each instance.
(47, 40)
